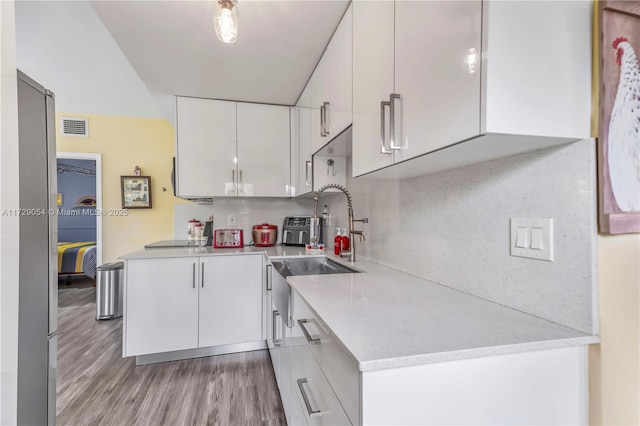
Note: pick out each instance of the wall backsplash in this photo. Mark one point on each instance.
(452, 228)
(248, 212)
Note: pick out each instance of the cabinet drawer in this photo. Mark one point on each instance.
(320, 405)
(337, 364)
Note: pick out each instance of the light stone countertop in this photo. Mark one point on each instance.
(389, 319)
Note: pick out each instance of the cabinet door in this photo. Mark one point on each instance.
(263, 150)
(305, 168)
(373, 47)
(206, 147)
(439, 91)
(230, 300)
(318, 97)
(161, 305)
(337, 75)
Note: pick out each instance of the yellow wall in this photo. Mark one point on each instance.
(126, 142)
(614, 364)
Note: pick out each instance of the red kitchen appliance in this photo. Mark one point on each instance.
(228, 238)
(265, 235)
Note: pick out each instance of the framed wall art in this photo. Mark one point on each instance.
(619, 117)
(136, 192)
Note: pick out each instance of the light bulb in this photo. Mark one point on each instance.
(225, 20)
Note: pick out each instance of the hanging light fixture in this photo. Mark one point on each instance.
(225, 20)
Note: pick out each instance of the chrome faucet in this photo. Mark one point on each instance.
(352, 232)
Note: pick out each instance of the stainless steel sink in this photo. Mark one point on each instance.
(310, 266)
(281, 291)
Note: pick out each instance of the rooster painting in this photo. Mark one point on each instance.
(624, 131)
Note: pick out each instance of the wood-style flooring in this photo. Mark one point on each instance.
(96, 386)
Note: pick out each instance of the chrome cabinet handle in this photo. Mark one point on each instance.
(305, 397)
(240, 179)
(383, 148)
(392, 122)
(308, 167)
(233, 180)
(306, 333)
(322, 119)
(269, 272)
(274, 314)
(193, 273)
(202, 276)
(327, 118)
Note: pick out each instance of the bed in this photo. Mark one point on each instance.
(77, 258)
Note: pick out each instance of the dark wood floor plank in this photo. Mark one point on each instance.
(96, 386)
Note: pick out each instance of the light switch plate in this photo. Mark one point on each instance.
(231, 220)
(541, 237)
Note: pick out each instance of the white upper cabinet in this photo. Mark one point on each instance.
(501, 77)
(302, 157)
(205, 147)
(231, 149)
(331, 86)
(263, 147)
(373, 34)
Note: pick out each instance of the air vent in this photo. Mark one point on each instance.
(75, 127)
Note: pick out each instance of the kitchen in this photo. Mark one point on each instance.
(440, 213)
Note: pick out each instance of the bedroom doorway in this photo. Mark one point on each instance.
(79, 219)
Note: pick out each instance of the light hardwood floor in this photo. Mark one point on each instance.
(96, 386)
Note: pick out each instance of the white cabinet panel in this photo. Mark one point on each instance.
(373, 48)
(206, 147)
(161, 305)
(305, 170)
(318, 97)
(439, 97)
(263, 147)
(230, 304)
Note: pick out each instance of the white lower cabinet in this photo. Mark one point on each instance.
(536, 387)
(174, 304)
(161, 305)
(230, 293)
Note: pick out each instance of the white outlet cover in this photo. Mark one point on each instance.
(231, 220)
(545, 252)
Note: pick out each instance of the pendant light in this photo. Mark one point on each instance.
(225, 20)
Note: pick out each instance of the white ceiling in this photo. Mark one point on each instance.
(173, 47)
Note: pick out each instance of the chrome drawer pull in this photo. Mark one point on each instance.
(307, 403)
(269, 272)
(307, 336)
(274, 314)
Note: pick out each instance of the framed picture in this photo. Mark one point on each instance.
(619, 117)
(136, 192)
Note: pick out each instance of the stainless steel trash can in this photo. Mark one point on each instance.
(109, 291)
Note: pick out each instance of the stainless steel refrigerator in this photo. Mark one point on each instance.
(38, 280)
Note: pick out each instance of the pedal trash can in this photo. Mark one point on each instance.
(109, 291)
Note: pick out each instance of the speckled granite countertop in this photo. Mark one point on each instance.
(389, 319)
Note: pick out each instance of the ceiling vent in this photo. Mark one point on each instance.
(75, 127)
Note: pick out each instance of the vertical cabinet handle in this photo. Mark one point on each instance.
(193, 273)
(202, 276)
(322, 118)
(233, 180)
(392, 122)
(269, 285)
(307, 182)
(307, 401)
(383, 148)
(327, 118)
(274, 315)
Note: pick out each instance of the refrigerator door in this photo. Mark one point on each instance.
(52, 178)
(51, 378)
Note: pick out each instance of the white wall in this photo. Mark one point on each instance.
(453, 228)
(64, 46)
(248, 212)
(9, 225)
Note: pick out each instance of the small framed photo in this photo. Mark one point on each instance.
(136, 192)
